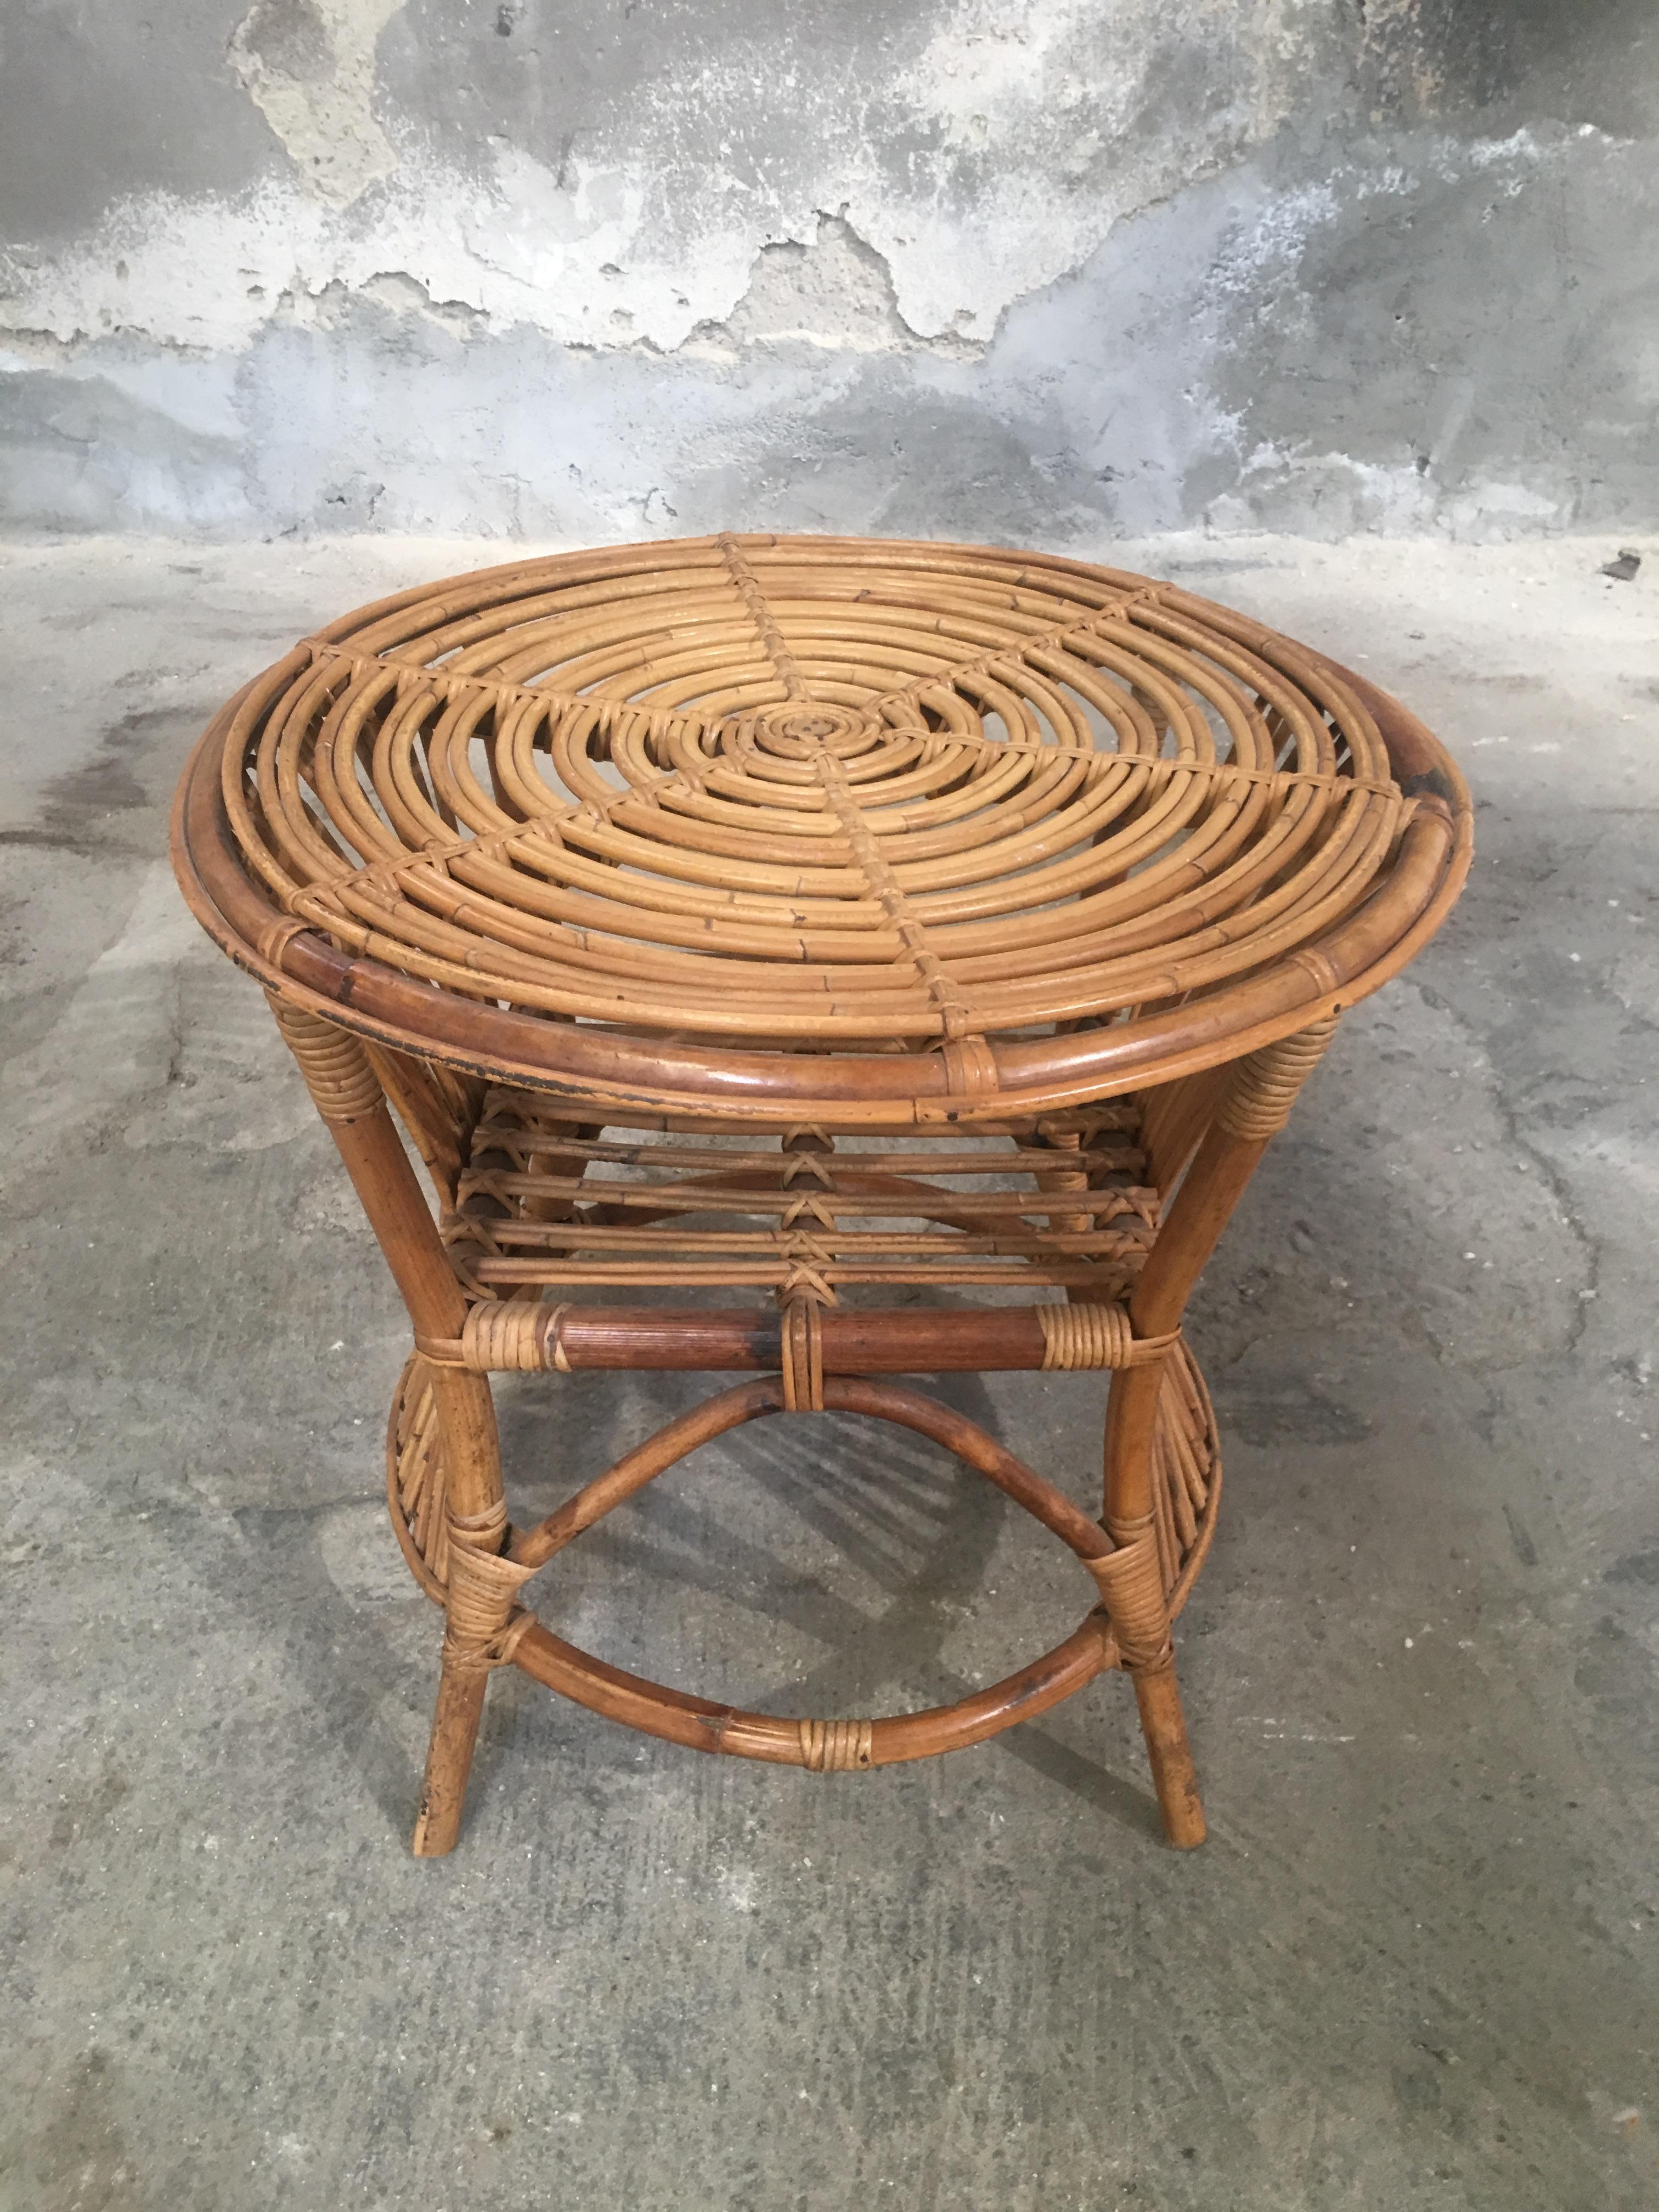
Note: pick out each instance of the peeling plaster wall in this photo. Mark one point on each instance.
(940, 266)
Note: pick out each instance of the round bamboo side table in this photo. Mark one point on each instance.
(784, 919)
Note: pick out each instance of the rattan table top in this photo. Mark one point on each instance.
(789, 828)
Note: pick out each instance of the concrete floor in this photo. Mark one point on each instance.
(1414, 1968)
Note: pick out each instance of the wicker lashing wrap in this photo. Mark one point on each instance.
(1096, 1333)
(1132, 1592)
(1266, 1084)
(836, 1747)
(483, 1620)
(512, 1336)
(801, 1347)
(343, 1087)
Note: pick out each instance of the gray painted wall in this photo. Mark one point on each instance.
(936, 266)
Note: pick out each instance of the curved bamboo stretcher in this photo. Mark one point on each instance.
(791, 917)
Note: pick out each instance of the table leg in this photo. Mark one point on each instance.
(347, 1096)
(1256, 1102)
(1135, 1600)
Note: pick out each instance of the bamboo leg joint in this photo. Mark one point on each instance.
(1131, 1587)
(343, 1087)
(1266, 1084)
(484, 1622)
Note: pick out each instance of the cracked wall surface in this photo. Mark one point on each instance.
(944, 267)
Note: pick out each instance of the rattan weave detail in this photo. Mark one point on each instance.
(803, 795)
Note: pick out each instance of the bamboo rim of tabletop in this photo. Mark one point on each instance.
(800, 828)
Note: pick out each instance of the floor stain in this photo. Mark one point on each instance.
(78, 2161)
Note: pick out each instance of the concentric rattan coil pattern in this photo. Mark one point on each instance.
(793, 798)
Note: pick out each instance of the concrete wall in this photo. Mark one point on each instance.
(1047, 270)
